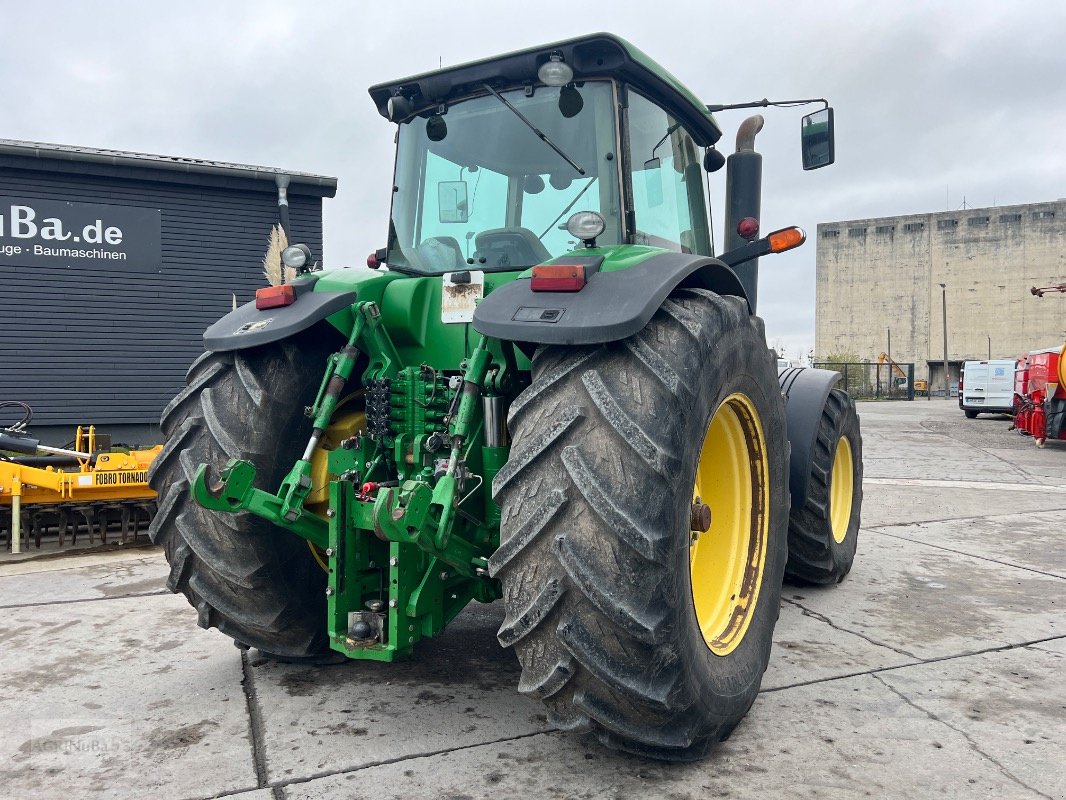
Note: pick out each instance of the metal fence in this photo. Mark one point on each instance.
(868, 380)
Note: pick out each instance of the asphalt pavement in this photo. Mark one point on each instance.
(937, 669)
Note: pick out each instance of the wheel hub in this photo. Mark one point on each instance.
(726, 562)
(841, 490)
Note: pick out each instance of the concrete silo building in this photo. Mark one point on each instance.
(880, 279)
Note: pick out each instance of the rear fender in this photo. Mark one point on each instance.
(805, 392)
(247, 326)
(611, 306)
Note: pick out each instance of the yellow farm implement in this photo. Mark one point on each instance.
(82, 490)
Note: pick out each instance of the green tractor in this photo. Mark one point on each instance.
(555, 395)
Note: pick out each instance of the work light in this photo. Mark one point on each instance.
(586, 226)
(555, 72)
(297, 256)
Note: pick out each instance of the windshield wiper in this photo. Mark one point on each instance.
(540, 134)
(572, 203)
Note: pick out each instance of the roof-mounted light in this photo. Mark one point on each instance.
(398, 108)
(555, 71)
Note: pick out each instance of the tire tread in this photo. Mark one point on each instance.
(814, 557)
(595, 634)
(255, 583)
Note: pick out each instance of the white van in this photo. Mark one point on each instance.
(987, 386)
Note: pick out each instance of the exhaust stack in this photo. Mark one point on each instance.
(743, 192)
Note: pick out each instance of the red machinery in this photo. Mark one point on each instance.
(1021, 381)
(1040, 394)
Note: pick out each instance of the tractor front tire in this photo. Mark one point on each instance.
(626, 621)
(256, 583)
(824, 532)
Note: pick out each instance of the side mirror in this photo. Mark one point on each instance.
(451, 201)
(816, 139)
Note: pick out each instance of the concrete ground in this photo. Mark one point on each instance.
(938, 669)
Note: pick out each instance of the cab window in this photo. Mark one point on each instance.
(475, 185)
(667, 181)
(459, 202)
(546, 212)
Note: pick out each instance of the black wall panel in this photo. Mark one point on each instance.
(110, 346)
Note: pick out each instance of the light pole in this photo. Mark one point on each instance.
(989, 337)
(944, 307)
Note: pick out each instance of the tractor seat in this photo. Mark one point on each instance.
(510, 247)
(442, 253)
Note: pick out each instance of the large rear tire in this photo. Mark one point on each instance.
(251, 580)
(824, 533)
(621, 623)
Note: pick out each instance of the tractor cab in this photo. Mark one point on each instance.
(512, 162)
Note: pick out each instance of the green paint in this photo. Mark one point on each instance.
(492, 459)
(416, 550)
(411, 522)
(405, 548)
(235, 492)
(410, 312)
(616, 257)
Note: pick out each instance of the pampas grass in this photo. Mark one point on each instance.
(272, 269)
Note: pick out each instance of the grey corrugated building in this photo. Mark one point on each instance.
(876, 276)
(114, 263)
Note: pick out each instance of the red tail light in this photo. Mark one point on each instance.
(558, 278)
(748, 228)
(275, 296)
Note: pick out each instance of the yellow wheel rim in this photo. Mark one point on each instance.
(344, 425)
(726, 562)
(841, 490)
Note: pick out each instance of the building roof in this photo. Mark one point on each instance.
(190, 166)
(958, 213)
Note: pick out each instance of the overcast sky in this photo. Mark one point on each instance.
(935, 103)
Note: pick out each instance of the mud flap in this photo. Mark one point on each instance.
(805, 391)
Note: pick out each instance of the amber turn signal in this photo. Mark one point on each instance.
(786, 239)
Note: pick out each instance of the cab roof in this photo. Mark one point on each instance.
(590, 56)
